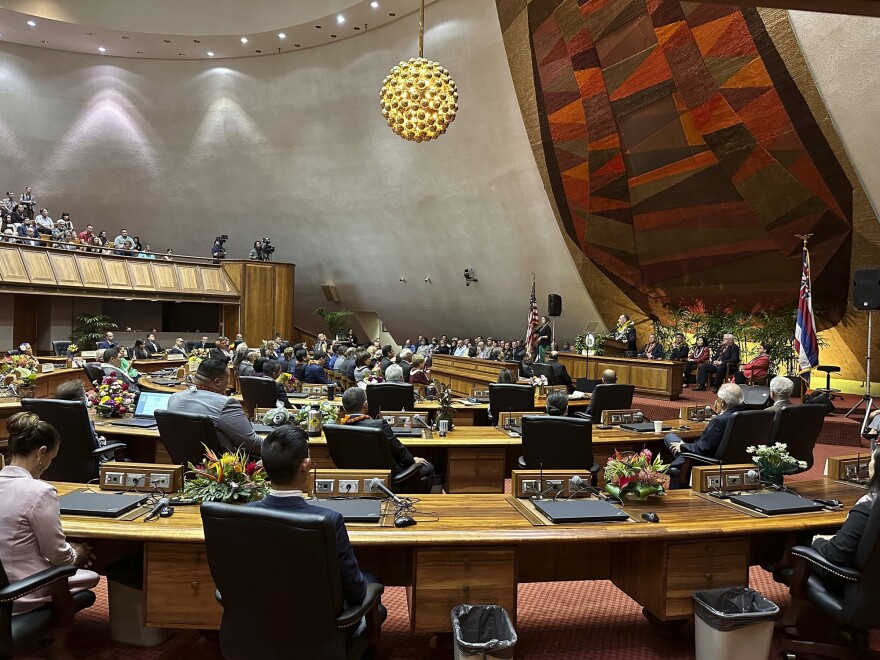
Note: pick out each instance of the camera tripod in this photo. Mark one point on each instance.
(867, 398)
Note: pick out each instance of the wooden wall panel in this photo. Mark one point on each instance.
(141, 275)
(284, 289)
(213, 280)
(92, 272)
(64, 266)
(38, 268)
(165, 275)
(117, 273)
(190, 282)
(24, 319)
(258, 303)
(12, 268)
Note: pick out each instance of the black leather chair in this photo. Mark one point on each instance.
(185, 436)
(390, 397)
(258, 603)
(541, 369)
(744, 428)
(366, 448)
(23, 632)
(851, 606)
(257, 392)
(60, 347)
(93, 372)
(191, 345)
(557, 443)
(798, 426)
(756, 397)
(77, 459)
(510, 397)
(609, 396)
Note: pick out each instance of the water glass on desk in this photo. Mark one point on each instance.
(443, 427)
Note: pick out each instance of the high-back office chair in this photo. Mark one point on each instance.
(185, 436)
(743, 429)
(510, 397)
(390, 397)
(609, 397)
(78, 454)
(191, 345)
(93, 372)
(799, 428)
(756, 397)
(541, 369)
(257, 392)
(257, 603)
(23, 632)
(557, 443)
(853, 608)
(366, 448)
(60, 347)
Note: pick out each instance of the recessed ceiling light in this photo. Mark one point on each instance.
(210, 53)
(181, 54)
(340, 19)
(374, 4)
(333, 36)
(167, 41)
(89, 33)
(258, 52)
(317, 27)
(281, 35)
(32, 23)
(391, 13)
(356, 27)
(124, 37)
(296, 45)
(244, 40)
(140, 52)
(101, 49)
(197, 41)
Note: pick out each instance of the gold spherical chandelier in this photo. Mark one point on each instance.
(419, 98)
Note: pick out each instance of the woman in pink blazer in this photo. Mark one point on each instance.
(31, 539)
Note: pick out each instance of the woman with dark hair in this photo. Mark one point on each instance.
(699, 354)
(557, 403)
(139, 350)
(31, 539)
(257, 251)
(361, 366)
(137, 244)
(504, 376)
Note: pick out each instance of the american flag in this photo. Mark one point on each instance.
(806, 342)
(533, 319)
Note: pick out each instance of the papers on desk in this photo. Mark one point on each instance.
(469, 403)
(577, 395)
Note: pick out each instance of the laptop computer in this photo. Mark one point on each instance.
(643, 427)
(575, 511)
(105, 505)
(777, 503)
(586, 385)
(147, 404)
(353, 510)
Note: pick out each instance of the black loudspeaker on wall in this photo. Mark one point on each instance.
(554, 305)
(866, 288)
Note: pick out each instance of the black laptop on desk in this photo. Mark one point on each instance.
(87, 502)
(777, 503)
(353, 510)
(578, 511)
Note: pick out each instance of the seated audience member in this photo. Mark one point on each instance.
(679, 350)
(112, 365)
(346, 359)
(8, 236)
(354, 401)
(108, 341)
(725, 358)
(557, 403)
(653, 350)
(780, 391)
(220, 351)
(419, 375)
(299, 369)
(31, 538)
(320, 343)
(87, 236)
(442, 347)
(239, 355)
(331, 356)
(559, 374)
(258, 366)
(756, 369)
(239, 339)
(247, 366)
(139, 350)
(394, 374)
(361, 366)
(461, 350)
(287, 464)
(209, 398)
(841, 548)
(123, 244)
(314, 371)
(271, 369)
(525, 366)
(697, 356)
(504, 376)
(96, 246)
(424, 347)
(73, 390)
(152, 345)
(566, 347)
(730, 398)
(405, 362)
(179, 347)
(388, 357)
(609, 377)
(146, 253)
(44, 223)
(270, 350)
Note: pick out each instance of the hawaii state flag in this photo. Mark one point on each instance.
(806, 342)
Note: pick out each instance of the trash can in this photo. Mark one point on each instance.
(482, 632)
(125, 593)
(733, 623)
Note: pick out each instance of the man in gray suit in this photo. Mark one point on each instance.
(780, 391)
(209, 398)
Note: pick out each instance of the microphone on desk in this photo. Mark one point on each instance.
(422, 422)
(160, 508)
(380, 485)
(640, 416)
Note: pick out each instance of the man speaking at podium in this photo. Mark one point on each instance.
(626, 331)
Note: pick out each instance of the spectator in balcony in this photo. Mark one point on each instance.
(123, 244)
(169, 254)
(104, 240)
(146, 253)
(28, 201)
(18, 215)
(7, 204)
(87, 236)
(43, 222)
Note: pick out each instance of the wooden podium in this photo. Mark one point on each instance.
(614, 348)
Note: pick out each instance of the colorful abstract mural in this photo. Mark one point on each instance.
(682, 158)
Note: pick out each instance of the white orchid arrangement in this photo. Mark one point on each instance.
(775, 459)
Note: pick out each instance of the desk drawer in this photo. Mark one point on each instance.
(703, 565)
(444, 578)
(475, 470)
(179, 588)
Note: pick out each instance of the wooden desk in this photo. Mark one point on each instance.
(481, 548)
(465, 374)
(655, 377)
(149, 366)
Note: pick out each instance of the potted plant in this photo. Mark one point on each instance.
(635, 474)
(334, 320)
(445, 411)
(230, 478)
(775, 462)
(90, 329)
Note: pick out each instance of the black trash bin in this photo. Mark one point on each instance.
(733, 623)
(482, 631)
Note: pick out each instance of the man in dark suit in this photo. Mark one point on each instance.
(559, 374)
(286, 461)
(354, 401)
(609, 377)
(730, 397)
(728, 354)
(152, 345)
(108, 341)
(405, 362)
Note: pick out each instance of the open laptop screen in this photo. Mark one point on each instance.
(148, 402)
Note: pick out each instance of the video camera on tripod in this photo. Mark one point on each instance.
(218, 251)
(265, 253)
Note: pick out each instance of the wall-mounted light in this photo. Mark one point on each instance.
(403, 279)
(427, 278)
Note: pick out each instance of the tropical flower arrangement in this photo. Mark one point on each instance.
(196, 357)
(639, 474)
(329, 414)
(112, 398)
(775, 461)
(19, 371)
(72, 349)
(230, 478)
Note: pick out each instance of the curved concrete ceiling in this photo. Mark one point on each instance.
(193, 29)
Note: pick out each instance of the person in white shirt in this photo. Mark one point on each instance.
(44, 222)
(460, 349)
